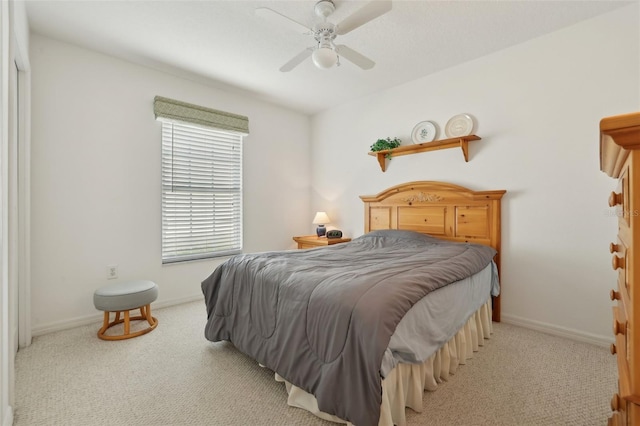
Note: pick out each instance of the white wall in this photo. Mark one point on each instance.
(96, 179)
(537, 107)
(96, 166)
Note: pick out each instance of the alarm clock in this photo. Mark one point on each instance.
(334, 233)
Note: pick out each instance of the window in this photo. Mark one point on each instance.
(201, 191)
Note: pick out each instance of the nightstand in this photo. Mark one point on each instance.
(311, 241)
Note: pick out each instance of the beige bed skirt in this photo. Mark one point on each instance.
(405, 384)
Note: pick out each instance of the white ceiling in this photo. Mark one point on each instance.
(225, 42)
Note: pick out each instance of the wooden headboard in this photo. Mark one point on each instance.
(444, 210)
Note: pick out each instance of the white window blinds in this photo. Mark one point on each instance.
(201, 192)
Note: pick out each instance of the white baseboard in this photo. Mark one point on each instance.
(8, 418)
(556, 330)
(92, 319)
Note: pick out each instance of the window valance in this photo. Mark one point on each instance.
(195, 114)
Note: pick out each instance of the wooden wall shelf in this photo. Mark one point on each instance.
(461, 142)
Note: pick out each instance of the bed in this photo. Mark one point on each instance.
(345, 326)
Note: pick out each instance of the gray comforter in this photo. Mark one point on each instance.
(322, 318)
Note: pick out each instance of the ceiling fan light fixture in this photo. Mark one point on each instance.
(326, 54)
(324, 57)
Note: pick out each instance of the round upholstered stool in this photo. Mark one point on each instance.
(122, 298)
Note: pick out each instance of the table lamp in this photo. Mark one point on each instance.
(321, 219)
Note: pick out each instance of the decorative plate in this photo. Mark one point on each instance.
(459, 125)
(424, 131)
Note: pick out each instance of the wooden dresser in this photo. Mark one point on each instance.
(620, 159)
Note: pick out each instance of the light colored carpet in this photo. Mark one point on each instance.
(174, 376)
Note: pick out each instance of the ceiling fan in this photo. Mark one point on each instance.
(325, 53)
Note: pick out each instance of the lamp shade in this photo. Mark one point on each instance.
(324, 57)
(321, 218)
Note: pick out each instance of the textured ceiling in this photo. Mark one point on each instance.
(226, 42)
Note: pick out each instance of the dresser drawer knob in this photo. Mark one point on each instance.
(615, 402)
(614, 295)
(615, 199)
(618, 327)
(614, 248)
(613, 350)
(617, 262)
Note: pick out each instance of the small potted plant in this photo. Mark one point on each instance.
(383, 144)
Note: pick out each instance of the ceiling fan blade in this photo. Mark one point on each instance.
(368, 12)
(282, 20)
(355, 57)
(297, 60)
